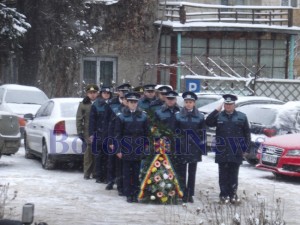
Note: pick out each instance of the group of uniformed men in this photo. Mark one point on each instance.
(113, 127)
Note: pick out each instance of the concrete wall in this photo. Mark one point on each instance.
(131, 58)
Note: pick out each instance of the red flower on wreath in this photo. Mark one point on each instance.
(172, 193)
(157, 178)
(165, 163)
(157, 164)
(159, 194)
(171, 176)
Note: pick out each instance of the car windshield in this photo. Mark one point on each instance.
(211, 106)
(265, 116)
(204, 101)
(69, 109)
(25, 97)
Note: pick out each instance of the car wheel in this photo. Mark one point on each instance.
(278, 176)
(28, 155)
(47, 163)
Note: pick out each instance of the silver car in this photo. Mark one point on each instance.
(10, 135)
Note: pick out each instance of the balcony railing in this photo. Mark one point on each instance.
(186, 12)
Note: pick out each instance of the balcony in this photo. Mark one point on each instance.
(186, 16)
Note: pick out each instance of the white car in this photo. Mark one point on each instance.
(20, 100)
(203, 99)
(52, 135)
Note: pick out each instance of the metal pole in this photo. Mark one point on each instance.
(178, 61)
(291, 57)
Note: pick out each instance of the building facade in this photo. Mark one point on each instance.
(219, 40)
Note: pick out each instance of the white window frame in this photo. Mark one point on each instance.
(98, 59)
(289, 3)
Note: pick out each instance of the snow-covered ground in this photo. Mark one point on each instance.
(62, 196)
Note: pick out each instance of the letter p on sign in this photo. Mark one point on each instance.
(193, 85)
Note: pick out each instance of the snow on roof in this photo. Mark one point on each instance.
(177, 26)
(262, 79)
(19, 87)
(61, 100)
(241, 99)
(200, 5)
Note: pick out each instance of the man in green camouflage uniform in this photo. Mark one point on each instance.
(82, 124)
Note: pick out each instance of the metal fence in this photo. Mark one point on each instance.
(282, 89)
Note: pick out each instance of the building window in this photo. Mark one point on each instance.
(232, 2)
(224, 55)
(99, 70)
(224, 2)
(293, 3)
(89, 71)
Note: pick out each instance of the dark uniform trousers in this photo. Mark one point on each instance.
(131, 171)
(187, 184)
(228, 178)
(115, 171)
(229, 155)
(114, 165)
(101, 160)
(131, 125)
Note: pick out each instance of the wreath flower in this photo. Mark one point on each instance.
(165, 176)
(157, 164)
(159, 194)
(157, 178)
(154, 169)
(171, 193)
(171, 176)
(164, 199)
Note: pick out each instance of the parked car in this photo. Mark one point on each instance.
(51, 134)
(20, 99)
(9, 133)
(268, 120)
(242, 101)
(281, 155)
(203, 99)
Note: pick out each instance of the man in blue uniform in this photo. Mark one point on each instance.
(98, 131)
(149, 96)
(114, 163)
(156, 104)
(165, 115)
(131, 128)
(191, 124)
(232, 141)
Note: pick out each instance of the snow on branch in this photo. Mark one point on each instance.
(12, 23)
(105, 2)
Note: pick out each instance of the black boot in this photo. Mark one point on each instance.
(109, 186)
(129, 199)
(184, 199)
(135, 199)
(191, 199)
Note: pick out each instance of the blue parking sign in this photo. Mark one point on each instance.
(192, 85)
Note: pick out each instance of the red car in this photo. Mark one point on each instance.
(281, 155)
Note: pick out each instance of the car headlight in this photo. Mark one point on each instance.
(295, 152)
